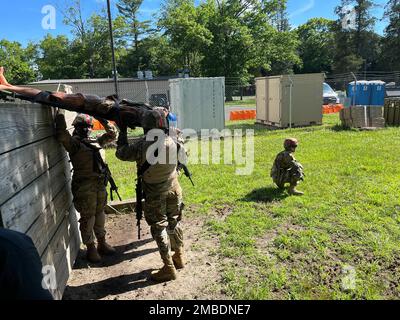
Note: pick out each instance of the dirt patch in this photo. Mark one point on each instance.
(125, 275)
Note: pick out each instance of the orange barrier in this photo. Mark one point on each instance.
(242, 115)
(98, 126)
(334, 108)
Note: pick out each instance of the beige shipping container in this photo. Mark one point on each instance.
(295, 99)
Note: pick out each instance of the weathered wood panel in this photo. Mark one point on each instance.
(44, 227)
(61, 251)
(35, 192)
(20, 167)
(23, 124)
(22, 210)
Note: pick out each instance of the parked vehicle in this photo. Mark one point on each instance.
(329, 95)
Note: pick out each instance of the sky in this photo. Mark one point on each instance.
(21, 20)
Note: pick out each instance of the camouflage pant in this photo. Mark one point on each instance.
(292, 176)
(163, 214)
(90, 198)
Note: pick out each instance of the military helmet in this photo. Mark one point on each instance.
(155, 119)
(83, 120)
(290, 143)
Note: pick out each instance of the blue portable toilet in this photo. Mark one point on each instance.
(378, 92)
(360, 94)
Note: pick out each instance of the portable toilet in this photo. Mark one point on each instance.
(378, 92)
(359, 93)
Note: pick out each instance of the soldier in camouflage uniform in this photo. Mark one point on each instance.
(163, 194)
(286, 169)
(89, 179)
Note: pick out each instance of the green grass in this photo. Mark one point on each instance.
(274, 246)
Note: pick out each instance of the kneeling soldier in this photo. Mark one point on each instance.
(287, 169)
(89, 180)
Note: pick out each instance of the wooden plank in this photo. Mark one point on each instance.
(43, 229)
(22, 210)
(20, 167)
(23, 124)
(62, 251)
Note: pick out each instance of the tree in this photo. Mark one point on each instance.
(55, 58)
(317, 42)
(92, 42)
(186, 28)
(391, 41)
(18, 61)
(356, 44)
(129, 9)
(280, 17)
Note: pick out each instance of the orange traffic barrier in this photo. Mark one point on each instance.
(242, 115)
(98, 126)
(326, 109)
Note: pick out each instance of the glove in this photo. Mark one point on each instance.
(60, 122)
(122, 138)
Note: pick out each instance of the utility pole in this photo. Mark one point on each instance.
(110, 26)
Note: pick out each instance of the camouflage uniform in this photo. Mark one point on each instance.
(88, 181)
(163, 194)
(286, 169)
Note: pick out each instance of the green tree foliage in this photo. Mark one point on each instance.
(185, 25)
(233, 38)
(56, 59)
(136, 29)
(92, 42)
(18, 61)
(391, 41)
(356, 45)
(317, 43)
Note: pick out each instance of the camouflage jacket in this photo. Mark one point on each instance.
(284, 162)
(160, 177)
(82, 156)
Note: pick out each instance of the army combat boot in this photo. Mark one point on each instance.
(178, 258)
(91, 253)
(104, 248)
(292, 190)
(166, 273)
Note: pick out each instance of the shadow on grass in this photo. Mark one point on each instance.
(339, 127)
(268, 194)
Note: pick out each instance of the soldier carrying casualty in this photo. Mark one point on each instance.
(124, 113)
(156, 156)
(286, 169)
(89, 179)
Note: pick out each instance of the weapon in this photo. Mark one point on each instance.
(186, 171)
(110, 179)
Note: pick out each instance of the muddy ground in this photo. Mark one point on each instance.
(125, 275)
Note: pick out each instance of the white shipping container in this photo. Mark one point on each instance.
(198, 102)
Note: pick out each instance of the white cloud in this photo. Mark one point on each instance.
(307, 7)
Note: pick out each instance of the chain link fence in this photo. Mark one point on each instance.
(235, 89)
